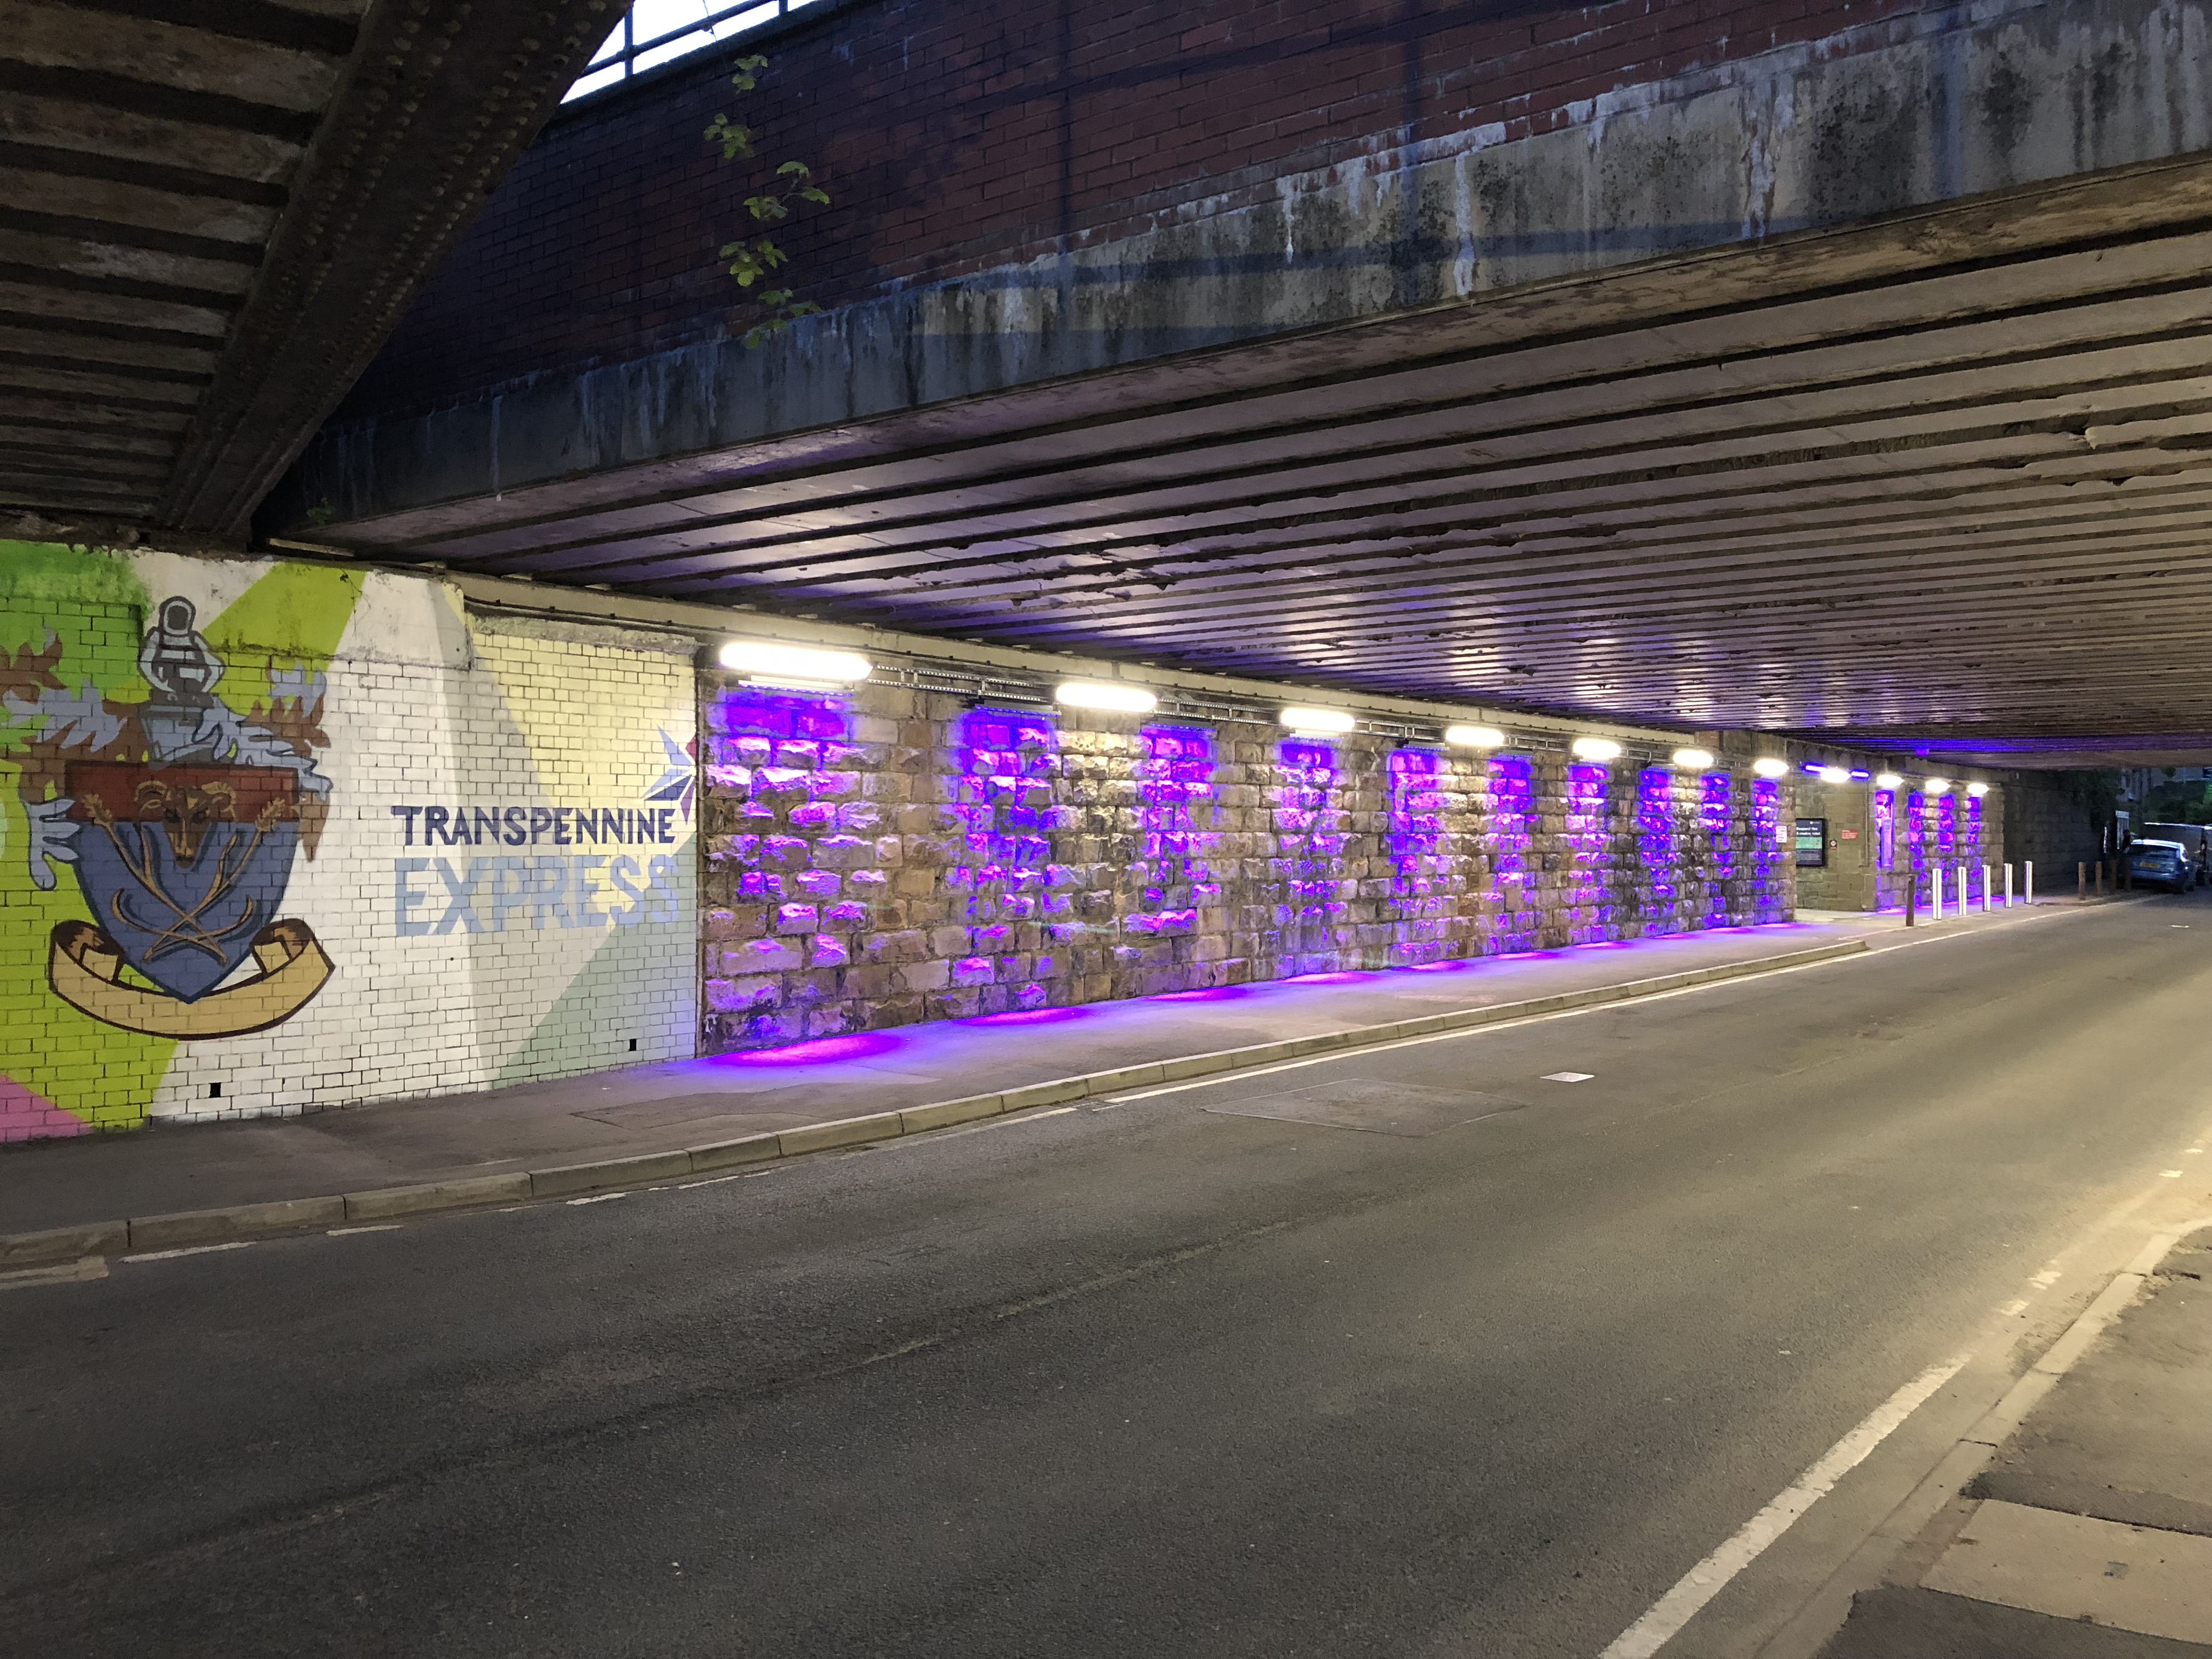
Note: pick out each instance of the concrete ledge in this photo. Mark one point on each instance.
(156, 1232)
(845, 1132)
(611, 1172)
(63, 1243)
(1044, 1094)
(946, 1113)
(384, 1201)
(247, 1220)
(725, 1154)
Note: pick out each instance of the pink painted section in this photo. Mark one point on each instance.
(26, 1116)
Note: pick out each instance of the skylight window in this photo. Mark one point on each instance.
(657, 31)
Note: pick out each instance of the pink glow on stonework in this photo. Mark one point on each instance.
(818, 1051)
(1030, 1017)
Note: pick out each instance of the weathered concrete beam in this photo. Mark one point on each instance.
(1965, 133)
(434, 106)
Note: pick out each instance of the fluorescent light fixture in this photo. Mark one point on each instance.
(1693, 760)
(1835, 774)
(1888, 781)
(1475, 736)
(1770, 766)
(1937, 787)
(1594, 748)
(1316, 722)
(795, 667)
(1978, 790)
(1093, 693)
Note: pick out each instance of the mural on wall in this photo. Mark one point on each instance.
(182, 833)
(229, 788)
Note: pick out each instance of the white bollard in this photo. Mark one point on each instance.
(1985, 890)
(2008, 904)
(2028, 876)
(1936, 889)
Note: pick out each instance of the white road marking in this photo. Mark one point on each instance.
(596, 1198)
(715, 1181)
(83, 1269)
(1568, 1077)
(1644, 1638)
(380, 1227)
(2045, 1279)
(2014, 1309)
(2171, 1174)
(194, 1249)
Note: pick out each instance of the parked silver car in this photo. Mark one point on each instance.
(2194, 839)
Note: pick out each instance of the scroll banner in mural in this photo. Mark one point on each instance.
(85, 967)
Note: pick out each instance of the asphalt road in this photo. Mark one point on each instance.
(1165, 1378)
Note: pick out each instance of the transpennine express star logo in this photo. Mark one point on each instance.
(681, 781)
(184, 854)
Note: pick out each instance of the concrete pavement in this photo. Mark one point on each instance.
(1481, 1360)
(646, 1111)
(2089, 1534)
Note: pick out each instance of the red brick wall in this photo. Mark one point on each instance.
(955, 136)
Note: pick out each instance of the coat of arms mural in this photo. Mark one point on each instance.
(181, 819)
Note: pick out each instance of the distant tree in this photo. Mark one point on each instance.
(753, 259)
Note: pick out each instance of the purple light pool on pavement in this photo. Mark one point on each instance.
(1335, 976)
(1451, 967)
(1030, 1017)
(818, 1051)
(1211, 994)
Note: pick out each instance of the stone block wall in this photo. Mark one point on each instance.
(898, 855)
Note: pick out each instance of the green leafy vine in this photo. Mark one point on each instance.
(754, 259)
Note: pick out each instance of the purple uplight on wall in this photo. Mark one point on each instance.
(776, 756)
(1417, 823)
(1174, 799)
(1655, 842)
(1717, 818)
(1587, 787)
(1425, 876)
(1008, 759)
(1511, 828)
(1309, 846)
(1947, 829)
(1766, 899)
(1972, 837)
(1885, 845)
